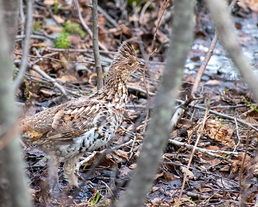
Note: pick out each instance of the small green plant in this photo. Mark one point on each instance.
(96, 199)
(29, 96)
(70, 27)
(189, 201)
(56, 8)
(62, 41)
(84, 167)
(37, 26)
(254, 108)
(45, 159)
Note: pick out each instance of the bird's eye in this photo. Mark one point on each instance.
(130, 63)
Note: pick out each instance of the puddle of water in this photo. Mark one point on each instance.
(219, 62)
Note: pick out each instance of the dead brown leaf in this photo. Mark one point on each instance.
(50, 29)
(122, 153)
(47, 92)
(219, 132)
(67, 78)
(50, 2)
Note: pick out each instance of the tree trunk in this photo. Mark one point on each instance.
(159, 128)
(13, 189)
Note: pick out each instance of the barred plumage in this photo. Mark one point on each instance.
(84, 124)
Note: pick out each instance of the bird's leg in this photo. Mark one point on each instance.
(53, 172)
(69, 171)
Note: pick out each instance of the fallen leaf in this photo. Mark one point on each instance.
(52, 29)
(59, 19)
(47, 92)
(122, 153)
(67, 78)
(50, 2)
(212, 82)
(219, 132)
(132, 166)
(190, 175)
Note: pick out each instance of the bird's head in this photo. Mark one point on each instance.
(125, 62)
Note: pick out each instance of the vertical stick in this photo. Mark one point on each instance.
(96, 44)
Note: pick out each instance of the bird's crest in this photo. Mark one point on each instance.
(125, 51)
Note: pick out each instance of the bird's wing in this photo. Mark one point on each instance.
(76, 119)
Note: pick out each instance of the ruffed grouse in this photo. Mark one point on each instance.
(66, 131)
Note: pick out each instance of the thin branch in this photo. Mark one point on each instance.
(79, 50)
(238, 137)
(109, 18)
(140, 90)
(96, 45)
(24, 62)
(243, 161)
(53, 81)
(207, 151)
(201, 128)
(85, 26)
(222, 115)
(208, 56)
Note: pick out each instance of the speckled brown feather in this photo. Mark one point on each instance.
(84, 124)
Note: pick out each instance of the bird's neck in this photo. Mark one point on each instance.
(114, 92)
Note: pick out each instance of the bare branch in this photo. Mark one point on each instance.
(96, 45)
(53, 81)
(208, 56)
(86, 26)
(24, 62)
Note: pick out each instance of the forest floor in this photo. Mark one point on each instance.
(224, 165)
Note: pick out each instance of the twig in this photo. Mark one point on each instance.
(85, 160)
(85, 26)
(162, 10)
(208, 56)
(31, 36)
(81, 19)
(95, 44)
(207, 151)
(53, 17)
(137, 31)
(140, 90)
(238, 137)
(222, 115)
(179, 111)
(53, 81)
(47, 56)
(148, 3)
(204, 63)
(109, 18)
(26, 48)
(243, 161)
(201, 128)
